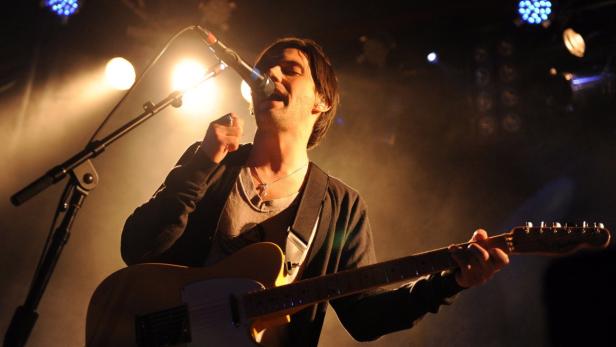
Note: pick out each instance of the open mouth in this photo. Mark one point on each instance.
(277, 96)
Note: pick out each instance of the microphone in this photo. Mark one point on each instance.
(261, 84)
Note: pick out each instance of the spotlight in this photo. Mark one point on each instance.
(512, 122)
(484, 102)
(119, 73)
(482, 77)
(63, 8)
(567, 76)
(199, 96)
(534, 11)
(481, 55)
(507, 73)
(432, 58)
(187, 74)
(509, 97)
(574, 42)
(486, 125)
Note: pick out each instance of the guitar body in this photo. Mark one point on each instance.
(234, 301)
(168, 305)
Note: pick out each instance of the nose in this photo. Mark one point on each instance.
(275, 73)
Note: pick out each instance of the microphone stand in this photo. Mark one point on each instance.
(84, 178)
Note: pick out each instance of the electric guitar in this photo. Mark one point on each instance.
(233, 301)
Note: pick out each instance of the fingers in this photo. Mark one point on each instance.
(477, 261)
(230, 120)
(228, 125)
(223, 136)
(474, 264)
(479, 235)
(498, 258)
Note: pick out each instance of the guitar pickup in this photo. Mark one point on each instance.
(163, 328)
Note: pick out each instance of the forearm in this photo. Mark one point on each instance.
(154, 227)
(369, 316)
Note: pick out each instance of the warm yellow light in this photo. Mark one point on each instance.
(568, 76)
(187, 74)
(120, 73)
(199, 95)
(246, 91)
(574, 42)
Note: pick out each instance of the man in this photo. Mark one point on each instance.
(223, 196)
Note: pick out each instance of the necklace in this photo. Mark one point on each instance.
(262, 186)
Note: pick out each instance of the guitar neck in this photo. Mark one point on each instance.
(314, 290)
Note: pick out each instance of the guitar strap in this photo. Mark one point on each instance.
(302, 231)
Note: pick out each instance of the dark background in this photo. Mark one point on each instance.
(416, 139)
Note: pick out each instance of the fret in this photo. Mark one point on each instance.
(314, 290)
(311, 291)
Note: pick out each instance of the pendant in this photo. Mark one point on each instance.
(262, 188)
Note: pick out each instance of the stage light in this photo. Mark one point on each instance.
(534, 11)
(486, 125)
(507, 73)
(432, 58)
(246, 91)
(482, 77)
(64, 8)
(187, 74)
(199, 95)
(512, 122)
(567, 76)
(484, 102)
(509, 97)
(574, 42)
(579, 83)
(119, 73)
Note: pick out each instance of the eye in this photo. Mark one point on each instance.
(292, 71)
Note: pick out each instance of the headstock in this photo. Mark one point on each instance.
(557, 239)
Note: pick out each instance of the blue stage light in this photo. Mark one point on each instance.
(534, 11)
(64, 8)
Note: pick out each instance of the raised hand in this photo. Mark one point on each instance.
(222, 136)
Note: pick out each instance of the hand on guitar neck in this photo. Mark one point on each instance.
(478, 261)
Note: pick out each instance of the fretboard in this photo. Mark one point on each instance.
(328, 287)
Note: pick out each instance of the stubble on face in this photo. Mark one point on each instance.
(292, 103)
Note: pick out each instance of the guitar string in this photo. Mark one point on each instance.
(211, 305)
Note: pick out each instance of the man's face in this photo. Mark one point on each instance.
(293, 103)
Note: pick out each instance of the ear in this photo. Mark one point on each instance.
(321, 106)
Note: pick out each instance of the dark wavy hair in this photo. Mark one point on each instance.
(323, 76)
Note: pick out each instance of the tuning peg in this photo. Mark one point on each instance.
(542, 224)
(556, 225)
(584, 224)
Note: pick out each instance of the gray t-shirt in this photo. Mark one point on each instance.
(247, 219)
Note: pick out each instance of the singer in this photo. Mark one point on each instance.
(223, 196)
